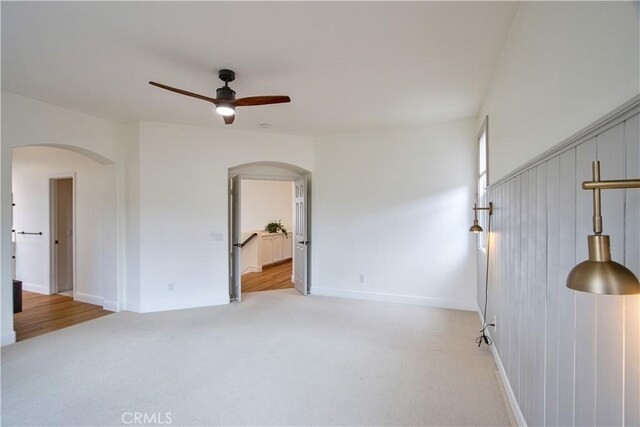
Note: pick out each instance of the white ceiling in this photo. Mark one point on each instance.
(346, 65)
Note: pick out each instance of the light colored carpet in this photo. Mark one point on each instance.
(277, 358)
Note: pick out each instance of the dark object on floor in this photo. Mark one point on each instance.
(17, 296)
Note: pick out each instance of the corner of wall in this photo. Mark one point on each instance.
(8, 339)
(131, 256)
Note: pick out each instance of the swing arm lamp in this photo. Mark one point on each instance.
(599, 274)
(475, 228)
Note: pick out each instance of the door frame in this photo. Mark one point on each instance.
(53, 276)
(263, 177)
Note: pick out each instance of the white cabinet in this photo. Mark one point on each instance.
(266, 250)
(274, 247)
(288, 247)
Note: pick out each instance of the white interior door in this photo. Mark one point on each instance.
(301, 237)
(235, 290)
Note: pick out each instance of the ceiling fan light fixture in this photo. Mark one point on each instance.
(226, 102)
(225, 109)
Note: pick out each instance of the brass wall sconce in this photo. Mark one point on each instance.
(599, 274)
(475, 228)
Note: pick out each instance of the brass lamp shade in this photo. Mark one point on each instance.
(600, 275)
(475, 228)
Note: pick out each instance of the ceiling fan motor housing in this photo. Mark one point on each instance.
(225, 92)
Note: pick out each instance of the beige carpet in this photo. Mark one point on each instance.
(276, 359)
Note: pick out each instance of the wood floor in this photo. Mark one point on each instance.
(271, 278)
(42, 314)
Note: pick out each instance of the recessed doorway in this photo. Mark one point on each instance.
(269, 229)
(63, 240)
(266, 225)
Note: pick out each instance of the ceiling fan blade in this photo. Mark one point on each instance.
(184, 92)
(260, 100)
(229, 119)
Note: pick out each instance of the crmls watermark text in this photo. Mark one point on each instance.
(146, 418)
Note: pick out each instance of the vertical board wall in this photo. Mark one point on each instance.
(571, 358)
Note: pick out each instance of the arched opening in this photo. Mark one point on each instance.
(280, 245)
(99, 158)
(64, 236)
(268, 170)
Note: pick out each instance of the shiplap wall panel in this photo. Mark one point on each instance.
(514, 315)
(508, 278)
(533, 323)
(494, 305)
(632, 261)
(610, 310)
(540, 293)
(524, 292)
(572, 358)
(586, 304)
(517, 300)
(551, 318)
(566, 297)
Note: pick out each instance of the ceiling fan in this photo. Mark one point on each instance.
(226, 101)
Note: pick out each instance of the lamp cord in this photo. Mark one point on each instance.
(484, 337)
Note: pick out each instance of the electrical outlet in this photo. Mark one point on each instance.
(171, 286)
(362, 278)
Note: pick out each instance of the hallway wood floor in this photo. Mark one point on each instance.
(42, 314)
(269, 279)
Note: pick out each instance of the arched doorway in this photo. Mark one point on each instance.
(89, 274)
(301, 226)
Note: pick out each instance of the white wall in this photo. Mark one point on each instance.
(565, 64)
(29, 122)
(265, 201)
(395, 205)
(184, 197)
(95, 255)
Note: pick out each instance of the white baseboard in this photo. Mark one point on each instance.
(111, 305)
(88, 298)
(252, 269)
(153, 306)
(35, 287)
(403, 299)
(513, 402)
(8, 339)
